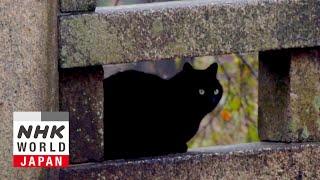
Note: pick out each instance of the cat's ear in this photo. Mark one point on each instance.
(187, 67)
(213, 68)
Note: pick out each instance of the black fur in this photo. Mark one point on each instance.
(147, 116)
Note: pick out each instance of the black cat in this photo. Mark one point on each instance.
(147, 116)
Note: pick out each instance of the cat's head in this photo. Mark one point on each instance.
(203, 84)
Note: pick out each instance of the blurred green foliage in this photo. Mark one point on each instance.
(235, 119)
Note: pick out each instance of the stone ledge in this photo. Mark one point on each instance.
(187, 28)
(244, 161)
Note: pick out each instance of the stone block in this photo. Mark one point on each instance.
(289, 95)
(81, 94)
(186, 29)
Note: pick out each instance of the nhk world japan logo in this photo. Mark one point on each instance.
(41, 139)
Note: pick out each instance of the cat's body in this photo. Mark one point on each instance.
(146, 115)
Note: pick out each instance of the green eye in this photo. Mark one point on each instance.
(216, 92)
(202, 91)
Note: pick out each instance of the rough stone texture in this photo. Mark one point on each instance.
(81, 93)
(247, 161)
(289, 95)
(77, 5)
(28, 70)
(189, 28)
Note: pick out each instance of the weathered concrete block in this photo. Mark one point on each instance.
(289, 95)
(186, 28)
(81, 94)
(247, 161)
(28, 70)
(77, 5)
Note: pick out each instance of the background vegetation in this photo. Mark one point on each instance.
(235, 119)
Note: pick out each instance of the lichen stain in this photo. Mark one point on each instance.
(293, 126)
(157, 27)
(305, 133)
(316, 103)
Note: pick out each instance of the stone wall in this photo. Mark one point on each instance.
(29, 79)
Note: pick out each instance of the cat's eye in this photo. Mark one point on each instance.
(216, 91)
(201, 91)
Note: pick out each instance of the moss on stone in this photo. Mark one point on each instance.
(305, 133)
(157, 27)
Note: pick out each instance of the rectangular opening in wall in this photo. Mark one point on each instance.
(232, 121)
(155, 117)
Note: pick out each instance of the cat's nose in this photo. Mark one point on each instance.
(215, 100)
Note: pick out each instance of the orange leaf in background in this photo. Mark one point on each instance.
(225, 115)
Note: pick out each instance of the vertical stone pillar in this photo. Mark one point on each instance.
(289, 95)
(28, 70)
(81, 94)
